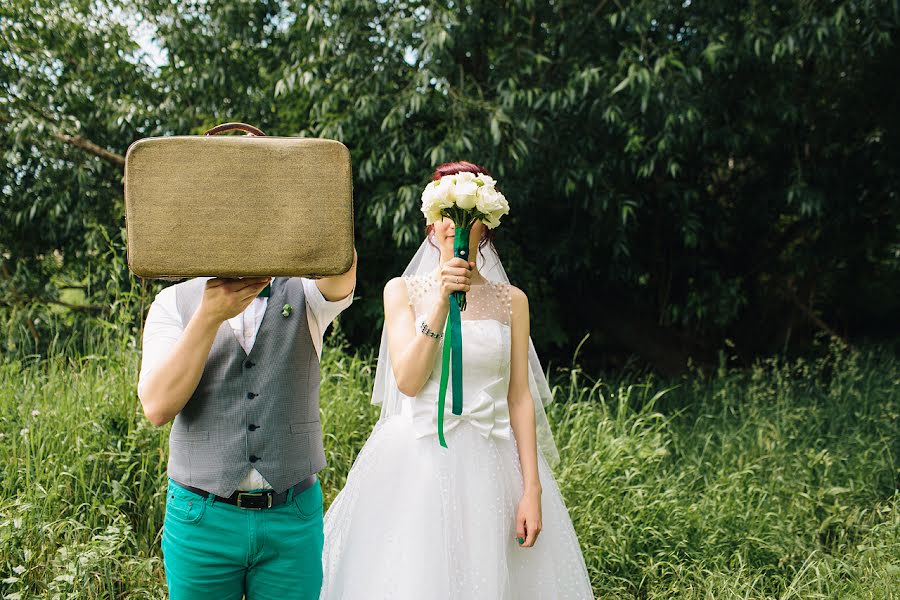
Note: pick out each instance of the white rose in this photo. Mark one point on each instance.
(431, 203)
(429, 196)
(432, 216)
(486, 179)
(432, 213)
(464, 190)
(494, 207)
(435, 198)
(504, 205)
(444, 193)
(491, 220)
(438, 193)
(488, 200)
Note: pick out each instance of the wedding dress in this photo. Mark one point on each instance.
(417, 521)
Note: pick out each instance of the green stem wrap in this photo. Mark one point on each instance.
(453, 341)
(461, 250)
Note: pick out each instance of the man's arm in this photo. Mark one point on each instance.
(170, 381)
(338, 287)
(168, 386)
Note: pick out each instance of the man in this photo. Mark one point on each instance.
(234, 363)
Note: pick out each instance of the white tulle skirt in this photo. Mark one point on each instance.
(416, 521)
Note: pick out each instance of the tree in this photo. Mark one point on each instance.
(679, 173)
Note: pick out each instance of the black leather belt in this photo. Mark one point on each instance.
(255, 500)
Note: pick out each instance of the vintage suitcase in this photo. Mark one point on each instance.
(237, 206)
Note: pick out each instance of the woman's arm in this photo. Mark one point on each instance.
(521, 417)
(412, 352)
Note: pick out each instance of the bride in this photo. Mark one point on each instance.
(482, 518)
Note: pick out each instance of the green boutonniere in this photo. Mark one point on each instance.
(286, 310)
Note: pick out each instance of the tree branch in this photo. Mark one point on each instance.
(92, 148)
(809, 314)
(77, 140)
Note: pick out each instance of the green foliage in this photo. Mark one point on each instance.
(779, 481)
(695, 169)
(735, 483)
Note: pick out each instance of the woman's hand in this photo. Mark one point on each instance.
(528, 518)
(456, 276)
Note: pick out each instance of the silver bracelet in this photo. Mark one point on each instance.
(427, 331)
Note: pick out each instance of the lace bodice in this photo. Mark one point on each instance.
(487, 301)
(486, 358)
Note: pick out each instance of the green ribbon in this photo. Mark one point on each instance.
(453, 341)
(445, 371)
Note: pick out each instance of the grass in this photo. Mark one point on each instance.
(777, 482)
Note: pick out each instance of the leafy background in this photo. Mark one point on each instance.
(690, 171)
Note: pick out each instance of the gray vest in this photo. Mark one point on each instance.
(257, 410)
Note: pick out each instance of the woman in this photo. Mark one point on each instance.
(482, 518)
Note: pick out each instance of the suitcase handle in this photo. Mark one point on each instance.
(250, 129)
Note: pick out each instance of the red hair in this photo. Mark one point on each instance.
(452, 168)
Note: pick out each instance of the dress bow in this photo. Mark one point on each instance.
(486, 410)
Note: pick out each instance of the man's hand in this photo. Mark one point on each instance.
(226, 298)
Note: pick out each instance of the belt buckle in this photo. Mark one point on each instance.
(240, 494)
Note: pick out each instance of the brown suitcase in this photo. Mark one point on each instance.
(237, 206)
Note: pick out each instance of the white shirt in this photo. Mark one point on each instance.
(163, 327)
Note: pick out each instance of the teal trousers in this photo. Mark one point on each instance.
(213, 550)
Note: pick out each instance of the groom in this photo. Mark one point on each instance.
(234, 364)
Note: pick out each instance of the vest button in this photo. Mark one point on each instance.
(254, 458)
(252, 427)
(249, 364)
(251, 395)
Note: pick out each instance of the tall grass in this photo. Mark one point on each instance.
(777, 482)
(780, 482)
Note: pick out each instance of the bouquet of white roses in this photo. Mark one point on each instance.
(464, 198)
